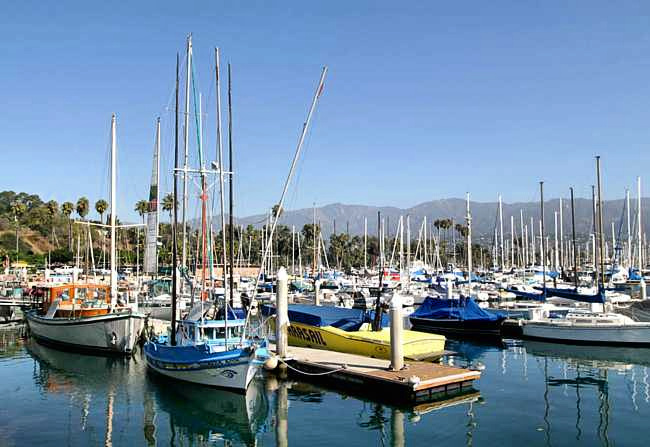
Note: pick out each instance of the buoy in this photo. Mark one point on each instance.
(271, 363)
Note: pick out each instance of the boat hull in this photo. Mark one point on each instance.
(233, 374)
(589, 334)
(417, 346)
(114, 334)
(457, 327)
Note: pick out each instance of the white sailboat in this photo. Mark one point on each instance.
(597, 325)
(89, 317)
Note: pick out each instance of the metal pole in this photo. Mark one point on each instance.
(543, 254)
(186, 140)
(573, 237)
(282, 313)
(600, 223)
(113, 211)
(175, 218)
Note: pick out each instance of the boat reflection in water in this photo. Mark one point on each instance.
(211, 414)
(105, 390)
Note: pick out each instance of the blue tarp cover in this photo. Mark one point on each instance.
(571, 294)
(458, 309)
(326, 315)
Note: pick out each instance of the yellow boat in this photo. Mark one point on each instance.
(349, 330)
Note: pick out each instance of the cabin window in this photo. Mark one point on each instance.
(81, 294)
(63, 295)
(220, 332)
(190, 332)
(100, 295)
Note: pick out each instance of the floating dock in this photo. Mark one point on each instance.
(418, 382)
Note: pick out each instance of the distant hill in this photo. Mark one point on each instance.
(484, 216)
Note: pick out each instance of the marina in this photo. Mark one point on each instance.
(333, 224)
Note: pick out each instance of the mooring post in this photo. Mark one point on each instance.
(449, 289)
(317, 292)
(396, 348)
(644, 295)
(282, 313)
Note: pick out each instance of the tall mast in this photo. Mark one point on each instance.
(113, 211)
(221, 184)
(532, 240)
(230, 193)
(561, 238)
(638, 194)
(186, 142)
(573, 237)
(600, 223)
(313, 268)
(522, 245)
(555, 250)
(543, 254)
(469, 248)
(175, 219)
(512, 241)
(365, 243)
(376, 326)
(593, 221)
(629, 229)
(503, 262)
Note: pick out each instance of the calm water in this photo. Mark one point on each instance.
(530, 394)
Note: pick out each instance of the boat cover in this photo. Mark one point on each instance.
(339, 317)
(458, 309)
(571, 294)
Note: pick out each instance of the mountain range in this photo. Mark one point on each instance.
(484, 216)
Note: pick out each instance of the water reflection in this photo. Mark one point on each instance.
(569, 394)
(207, 414)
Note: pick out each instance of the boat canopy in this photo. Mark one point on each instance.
(318, 316)
(456, 308)
(572, 294)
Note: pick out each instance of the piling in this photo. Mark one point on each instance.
(449, 287)
(644, 295)
(282, 313)
(396, 344)
(317, 292)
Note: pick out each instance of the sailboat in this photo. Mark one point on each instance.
(458, 315)
(597, 325)
(89, 317)
(201, 349)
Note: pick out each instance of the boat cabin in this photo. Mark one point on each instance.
(210, 332)
(75, 300)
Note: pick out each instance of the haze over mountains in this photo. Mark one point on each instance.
(484, 216)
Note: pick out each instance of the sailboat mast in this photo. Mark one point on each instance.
(503, 262)
(629, 228)
(221, 168)
(365, 243)
(638, 219)
(573, 237)
(469, 248)
(175, 218)
(600, 223)
(186, 141)
(231, 195)
(543, 253)
(113, 211)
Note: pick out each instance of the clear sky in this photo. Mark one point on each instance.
(424, 100)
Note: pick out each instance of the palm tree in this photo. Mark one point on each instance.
(67, 209)
(277, 211)
(142, 207)
(52, 210)
(168, 204)
(18, 209)
(83, 206)
(101, 206)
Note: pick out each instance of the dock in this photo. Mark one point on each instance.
(418, 382)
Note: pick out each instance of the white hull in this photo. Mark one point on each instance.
(236, 377)
(594, 334)
(113, 333)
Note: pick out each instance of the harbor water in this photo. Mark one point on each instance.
(530, 393)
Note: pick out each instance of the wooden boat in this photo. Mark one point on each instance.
(89, 317)
(80, 317)
(349, 330)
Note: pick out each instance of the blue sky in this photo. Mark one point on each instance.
(423, 100)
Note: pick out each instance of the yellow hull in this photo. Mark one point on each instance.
(417, 345)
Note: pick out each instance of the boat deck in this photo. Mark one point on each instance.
(418, 382)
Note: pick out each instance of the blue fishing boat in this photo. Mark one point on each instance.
(208, 352)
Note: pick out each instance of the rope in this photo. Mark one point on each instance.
(344, 367)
